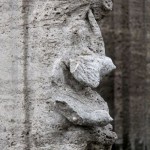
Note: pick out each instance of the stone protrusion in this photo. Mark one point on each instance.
(52, 53)
(80, 116)
(89, 70)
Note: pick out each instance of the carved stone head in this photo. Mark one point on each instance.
(75, 62)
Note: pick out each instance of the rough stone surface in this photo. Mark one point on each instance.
(52, 56)
(90, 70)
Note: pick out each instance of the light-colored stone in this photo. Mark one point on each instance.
(41, 89)
(90, 69)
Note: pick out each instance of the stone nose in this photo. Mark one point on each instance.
(107, 5)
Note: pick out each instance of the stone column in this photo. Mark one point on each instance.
(12, 76)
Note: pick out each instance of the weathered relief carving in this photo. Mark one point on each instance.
(64, 62)
(76, 72)
(89, 70)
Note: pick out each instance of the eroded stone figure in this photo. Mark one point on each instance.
(80, 117)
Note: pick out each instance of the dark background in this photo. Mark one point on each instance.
(126, 32)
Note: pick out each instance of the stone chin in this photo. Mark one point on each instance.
(81, 116)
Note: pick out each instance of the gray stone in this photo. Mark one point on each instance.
(52, 58)
(89, 70)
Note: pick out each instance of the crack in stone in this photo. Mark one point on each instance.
(25, 4)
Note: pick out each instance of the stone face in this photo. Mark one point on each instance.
(53, 55)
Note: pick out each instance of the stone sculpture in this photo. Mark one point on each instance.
(84, 122)
(52, 61)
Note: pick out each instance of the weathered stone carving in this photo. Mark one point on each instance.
(89, 70)
(52, 59)
(84, 116)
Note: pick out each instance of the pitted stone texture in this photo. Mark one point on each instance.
(12, 104)
(90, 70)
(45, 35)
(101, 8)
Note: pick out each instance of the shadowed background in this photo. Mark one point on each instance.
(126, 33)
